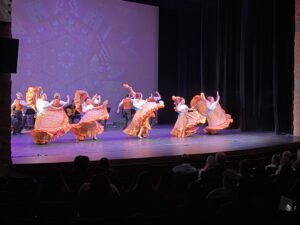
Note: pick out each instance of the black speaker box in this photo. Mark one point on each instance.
(9, 55)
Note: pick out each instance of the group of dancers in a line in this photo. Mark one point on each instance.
(52, 122)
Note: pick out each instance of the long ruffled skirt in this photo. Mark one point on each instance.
(88, 125)
(217, 120)
(141, 119)
(186, 124)
(49, 125)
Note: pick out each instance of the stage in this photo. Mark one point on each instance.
(159, 146)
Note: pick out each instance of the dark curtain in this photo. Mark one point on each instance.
(243, 48)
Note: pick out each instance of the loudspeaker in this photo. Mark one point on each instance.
(5, 10)
(9, 55)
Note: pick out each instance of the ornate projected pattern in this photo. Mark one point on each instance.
(94, 45)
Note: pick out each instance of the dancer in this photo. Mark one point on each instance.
(32, 95)
(71, 112)
(139, 125)
(217, 118)
(188, 119)
(57, 102)
(17, 110)
(152, 98)
(93, 111)
(126, 105)
(153, 120)
(51, 120)
(42, 104)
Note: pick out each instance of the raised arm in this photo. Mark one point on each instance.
(218, 97)
(130, 89)
(202, 96)
(68, 99)
(158, 97)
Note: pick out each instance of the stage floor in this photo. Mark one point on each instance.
(115, 145)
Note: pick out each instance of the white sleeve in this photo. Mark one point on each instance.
(23, 103)
(121, 103)
(46, 104)
(13, 104)
(157, 98)
(62, 102)
(96, 101)
(86, 108)
(213, 105)
(38, 104)
(181, 108)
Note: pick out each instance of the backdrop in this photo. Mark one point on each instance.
(94, 45)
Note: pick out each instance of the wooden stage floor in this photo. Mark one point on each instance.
(115, 145)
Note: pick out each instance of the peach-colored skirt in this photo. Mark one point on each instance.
(199, 104)
(217, 120)
(49, 125)
(141, 119)
(186, 124)
(88, 125)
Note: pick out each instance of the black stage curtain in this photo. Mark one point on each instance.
(243, 48)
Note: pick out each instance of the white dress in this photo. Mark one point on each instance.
(41, 105)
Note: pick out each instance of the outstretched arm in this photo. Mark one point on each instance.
(130, 89)
(120, 104)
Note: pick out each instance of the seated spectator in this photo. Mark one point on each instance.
(225, 194)
(142, 197)
(185, 167)
(104, 167)
(209, 165)
(296, 164)
(53, 185)
(80, 173)
(98, 198)
(285, 178)
(286, 160)
(273, 167)
(184, 174)
(221, 160)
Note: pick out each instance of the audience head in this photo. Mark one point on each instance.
(286, 158)
(276, 159)
(81, 162)
(221, 158)
(104, 163)
(210, 161)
